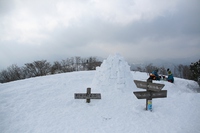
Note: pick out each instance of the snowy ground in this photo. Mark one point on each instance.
(47, 105)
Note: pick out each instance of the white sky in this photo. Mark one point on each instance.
(137, 29)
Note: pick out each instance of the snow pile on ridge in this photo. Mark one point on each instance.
(114, 72)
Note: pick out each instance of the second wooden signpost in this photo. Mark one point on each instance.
(153, 90)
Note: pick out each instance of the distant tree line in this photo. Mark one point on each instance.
(43, 67)
(191, 72)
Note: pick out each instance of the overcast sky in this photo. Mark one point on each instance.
(139, 30)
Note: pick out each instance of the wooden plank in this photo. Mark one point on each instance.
(155, 86)
(95, 96)
(80, 96)
(148, 85)
(85, 96)
(141, 84)
(160, 94)
(142, 94)
(150, 94)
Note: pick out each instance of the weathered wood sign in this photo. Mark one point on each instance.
(150, 94)
(153, 90)
(149, 85)
(88, 95)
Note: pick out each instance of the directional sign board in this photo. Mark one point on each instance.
(153, 90)
(148, 85)
(149, 95)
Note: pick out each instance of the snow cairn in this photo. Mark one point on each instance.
(113, 72)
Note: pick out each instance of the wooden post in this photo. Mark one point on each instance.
(88, 94)
(153, 90)
(149, 81)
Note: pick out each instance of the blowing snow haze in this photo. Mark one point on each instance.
(138, 30)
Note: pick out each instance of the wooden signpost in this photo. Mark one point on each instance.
(88, 95)
(153, 90)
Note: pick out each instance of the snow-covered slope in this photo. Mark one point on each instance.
(47, 105)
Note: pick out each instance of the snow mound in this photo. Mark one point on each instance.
(114, 72)
(186, 85)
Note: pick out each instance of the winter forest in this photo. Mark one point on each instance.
(43, 67)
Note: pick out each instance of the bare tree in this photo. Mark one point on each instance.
(68, 65)
(84, 63)
(92, 63)
(149, 68)
(56, 68)
(15, 72)
(4, 76)
(180, 70)
(77, 62)
(11, 74)
(64, 65)
(37, 68)
(139, 69)
(186, 72)
(72, 64)
(43, 67)
(30, 70)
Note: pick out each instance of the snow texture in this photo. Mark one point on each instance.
(114, 72)
(46, 104)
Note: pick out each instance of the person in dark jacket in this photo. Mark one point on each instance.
(170, 77)
(154, 75)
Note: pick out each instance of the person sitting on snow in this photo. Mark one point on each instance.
(170, 77)
(154, 75)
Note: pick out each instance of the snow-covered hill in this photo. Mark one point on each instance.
(47, 105)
